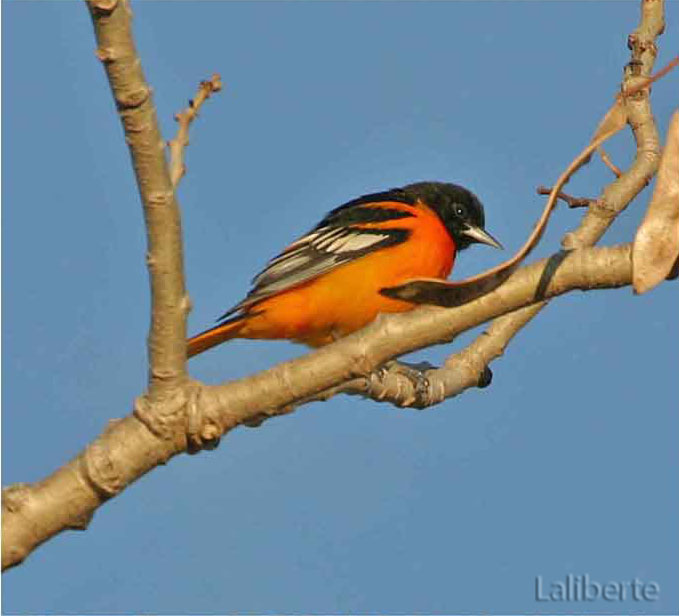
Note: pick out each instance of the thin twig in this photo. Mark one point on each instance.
(184, 118)
(609, 163)
(572, 202)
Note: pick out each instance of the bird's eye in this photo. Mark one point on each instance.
(460, 211)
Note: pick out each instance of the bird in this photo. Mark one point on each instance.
(330, 282)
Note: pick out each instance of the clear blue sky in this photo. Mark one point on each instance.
(566, 464)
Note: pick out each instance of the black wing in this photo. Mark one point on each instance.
(336, 240)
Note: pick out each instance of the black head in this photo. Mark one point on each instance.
(459, 209)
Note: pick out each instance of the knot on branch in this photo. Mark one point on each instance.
(186, 305)
(204, 426)
(133, 98)
(638, 45)
(405, 385)
(164, 415)
(103, 7)
(160, 198)
(106, 54)
(182, 413)
(420, 386)
(101, 470)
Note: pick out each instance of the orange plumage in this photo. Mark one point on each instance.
(327, 284)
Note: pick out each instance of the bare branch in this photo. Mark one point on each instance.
(128, 449)
(132, 94)
(637, 107)
(425, 386)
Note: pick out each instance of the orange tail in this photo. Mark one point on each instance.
(214, 336)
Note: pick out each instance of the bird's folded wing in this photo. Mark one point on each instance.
(316, 253)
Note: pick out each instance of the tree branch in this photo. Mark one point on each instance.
(128, 449)
(415, 387)
(390, 336)
(637, 106)
(627, 186)
(170, 304)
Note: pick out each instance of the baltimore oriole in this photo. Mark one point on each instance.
(327, 283)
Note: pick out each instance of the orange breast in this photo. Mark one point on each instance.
(347, 298)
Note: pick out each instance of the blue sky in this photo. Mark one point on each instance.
(566, 464)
